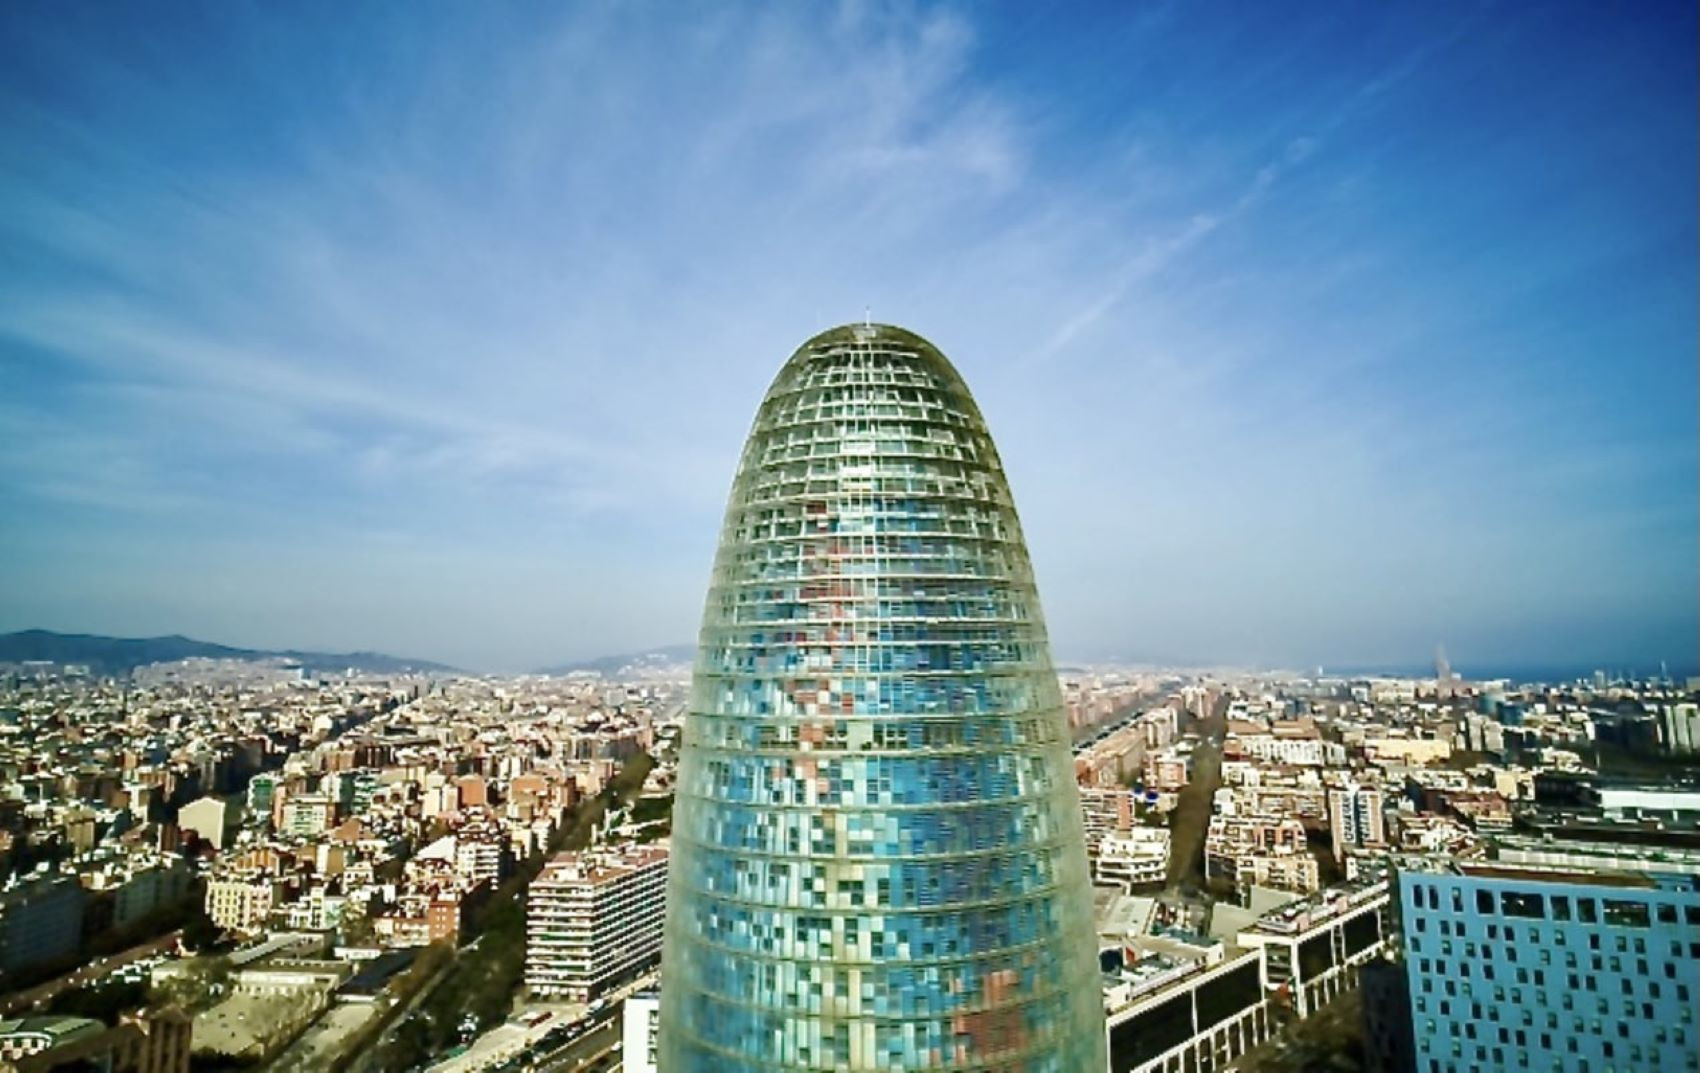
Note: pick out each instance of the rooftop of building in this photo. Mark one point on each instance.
(1529, 873)
(1683, 846)
(1324, 905)
(1119, 914)
(57, 1029)
(1524, 873)
(1152, 968)
(374, 974)
(1159, 961)
(279, 945)
(601, 865)
(1586, 824)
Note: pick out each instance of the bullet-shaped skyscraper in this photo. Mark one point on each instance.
(878, 861)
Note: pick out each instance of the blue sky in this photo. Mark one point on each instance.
(1309, 333)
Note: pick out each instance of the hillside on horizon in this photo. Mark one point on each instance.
(649, 659)
(120, 655)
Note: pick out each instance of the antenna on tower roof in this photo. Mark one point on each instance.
(867, 316)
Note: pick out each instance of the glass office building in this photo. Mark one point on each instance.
(877, 859)
(1552, 970)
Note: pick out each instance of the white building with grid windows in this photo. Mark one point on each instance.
(593, 921)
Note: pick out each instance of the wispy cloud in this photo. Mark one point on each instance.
(1155, 253)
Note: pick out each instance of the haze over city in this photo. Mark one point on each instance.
(1306, 337)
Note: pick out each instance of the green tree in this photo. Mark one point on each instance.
(199, 931)
(197, 984)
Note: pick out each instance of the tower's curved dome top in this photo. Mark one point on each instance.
(840, 345)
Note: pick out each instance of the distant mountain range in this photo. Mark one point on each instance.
(121, 655)
(631, 664)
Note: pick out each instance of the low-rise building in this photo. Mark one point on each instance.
(154, 1041)
(1131, 859)
(21, 1037)
(1176, 1003)
(1314, 947)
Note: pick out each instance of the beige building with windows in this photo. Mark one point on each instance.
(1407, 750)
(242, 905)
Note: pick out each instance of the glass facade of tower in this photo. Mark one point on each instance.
(877, 858)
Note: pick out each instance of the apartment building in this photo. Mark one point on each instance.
(1354, 818)
(1105, 811)
(1131, 859)
(593, 920)
(41, 920)
(1262, 850)
(1167, 771)
(242, 905)
(308, 815)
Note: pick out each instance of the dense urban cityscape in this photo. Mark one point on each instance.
(242, 862)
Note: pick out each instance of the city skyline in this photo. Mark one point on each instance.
(1310, 341)
(117, 655)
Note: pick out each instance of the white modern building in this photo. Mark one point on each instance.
(1177, 1004)
(1648, 802)
(1131, 859)
(1303, 752)
(1682, 727)
(209, 817)
(1313, 948)
(641, 1028)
